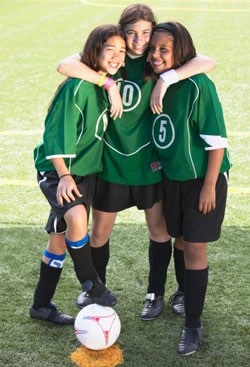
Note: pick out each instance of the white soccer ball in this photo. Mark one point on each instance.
(97, 327)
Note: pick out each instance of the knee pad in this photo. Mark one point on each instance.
(76, 245)
(55, 261)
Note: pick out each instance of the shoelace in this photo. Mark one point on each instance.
(175, 296)
(149, 303)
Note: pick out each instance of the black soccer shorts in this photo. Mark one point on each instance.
(112, 197)
(48, 183)
(180, 205)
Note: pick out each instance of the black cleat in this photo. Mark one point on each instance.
(177, 303)
(152, 308)
(107, 298)
(84, 300)
(51, 314)
(190, 341)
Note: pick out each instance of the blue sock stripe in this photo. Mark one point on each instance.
(55, 261)
(77, 244)
(52, 256)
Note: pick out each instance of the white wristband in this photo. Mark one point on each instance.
(170, 77)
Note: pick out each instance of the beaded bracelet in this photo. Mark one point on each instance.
(108, 84)
(101, 80)
(66, 174)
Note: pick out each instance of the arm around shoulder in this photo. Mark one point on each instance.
(197, 65)
(72, 67)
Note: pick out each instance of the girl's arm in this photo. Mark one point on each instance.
(74, 68)
(207, 200)
(66, 187)
(199, 64)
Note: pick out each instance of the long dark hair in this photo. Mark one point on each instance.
(184, 49)
(93, 47)
(132, 14)
(94, 44)
(183, 46)
(135, 12)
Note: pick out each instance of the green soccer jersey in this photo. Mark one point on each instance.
(191, 125)
(129, 157)
(74, 128)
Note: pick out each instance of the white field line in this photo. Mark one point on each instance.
(20, 132)
(243, 134)
(238, 9)
(28, 183)
(17, 183)
(239, 190)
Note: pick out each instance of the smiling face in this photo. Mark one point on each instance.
(112, 55)
(137, 37)
(160, 54)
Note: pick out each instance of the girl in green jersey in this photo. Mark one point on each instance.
(66, 161)
(190, 137)
(131, 172)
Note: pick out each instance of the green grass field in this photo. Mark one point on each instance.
(34, 36)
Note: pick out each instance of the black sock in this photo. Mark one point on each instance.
(100, 256)
(46, 286)
(179, 267)
(84, 268)
(195, 285)
(83, 263)
(159, 257)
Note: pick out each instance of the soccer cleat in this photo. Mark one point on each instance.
(152, 307)
(190, 341)
(177, 303)
(83, 300)
(51, 314)
(107, 298)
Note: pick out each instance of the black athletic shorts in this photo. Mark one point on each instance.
(181, 210)
(112, 197)
(48, 182)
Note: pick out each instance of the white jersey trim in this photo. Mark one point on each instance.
(215, 141)
(188, 126)
(60, 156)
(126, 154)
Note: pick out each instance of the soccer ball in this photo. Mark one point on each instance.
(97, 327)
